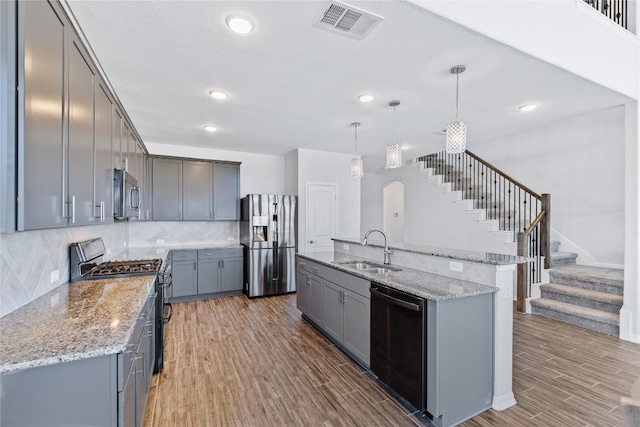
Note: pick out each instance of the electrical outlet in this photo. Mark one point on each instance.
(55, 276)
(55, 299)
(108, 251)
(160, 251)
(160, 241)
(231, 239)
(455, 266)
(345, 246)
(124, 244)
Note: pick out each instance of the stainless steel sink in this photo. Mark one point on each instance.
(368, 267)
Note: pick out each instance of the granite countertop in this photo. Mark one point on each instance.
(77, 320)
(459, 254)
(420, 283)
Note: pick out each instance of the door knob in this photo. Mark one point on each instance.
(312, 241)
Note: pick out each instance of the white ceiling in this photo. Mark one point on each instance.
(294, 85)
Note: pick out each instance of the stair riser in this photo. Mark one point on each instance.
(584, 284)
(563, 261)
(592, 325)
(611, 308)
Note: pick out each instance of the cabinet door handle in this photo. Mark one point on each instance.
(195, 265)
(101, 210)
(73, 209)
(222, 263)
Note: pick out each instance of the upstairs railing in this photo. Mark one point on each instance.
(520, 211)
(616, 10)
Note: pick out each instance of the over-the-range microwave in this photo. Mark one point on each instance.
(126, 196)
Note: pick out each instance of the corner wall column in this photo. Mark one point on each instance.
(630, 312)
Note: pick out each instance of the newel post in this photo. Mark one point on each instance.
(545, 231)
(522, 274)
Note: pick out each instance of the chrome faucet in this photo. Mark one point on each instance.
(387, 251)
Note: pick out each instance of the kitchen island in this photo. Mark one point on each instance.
(439, 276)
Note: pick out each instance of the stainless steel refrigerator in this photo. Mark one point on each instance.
(268, 233)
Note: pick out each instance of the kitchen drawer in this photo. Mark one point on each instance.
(184, 255)
(310, 266)
(348, 281)
(219, 253)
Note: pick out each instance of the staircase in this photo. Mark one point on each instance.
(585, 296)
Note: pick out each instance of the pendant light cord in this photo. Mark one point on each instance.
(457, 80)
(394, 124)
(355, 125)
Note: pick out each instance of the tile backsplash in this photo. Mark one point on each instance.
(27, 259)
(182, 232)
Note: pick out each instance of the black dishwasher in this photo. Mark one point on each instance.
(398, 342)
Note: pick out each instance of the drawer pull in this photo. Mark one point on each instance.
(315, 269)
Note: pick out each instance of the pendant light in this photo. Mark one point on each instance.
(456, 131)
(394, 152)
(357, 168)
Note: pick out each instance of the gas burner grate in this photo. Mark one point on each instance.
(123, 268)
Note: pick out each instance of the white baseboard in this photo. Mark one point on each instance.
(626, 319)
(500, 403)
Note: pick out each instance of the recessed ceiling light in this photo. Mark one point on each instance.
(365, 97)
(218, 94)
(527, 107)
(405, 147)
(210, 128)
(240, 24)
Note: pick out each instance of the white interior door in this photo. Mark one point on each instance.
(393, 195)
(322, 214)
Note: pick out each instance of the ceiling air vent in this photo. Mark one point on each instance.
(348, 20)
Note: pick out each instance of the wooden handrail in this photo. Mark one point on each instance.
(490, 166)
(535, 222)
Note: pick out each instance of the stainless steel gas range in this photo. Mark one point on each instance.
(87, 264)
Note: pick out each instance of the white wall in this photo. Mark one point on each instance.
(325, 167)
(259, 173)
(291, 173)
(431, 217)
(554, 31)
(580, 162)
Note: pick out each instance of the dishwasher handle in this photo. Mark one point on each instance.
(396, 301)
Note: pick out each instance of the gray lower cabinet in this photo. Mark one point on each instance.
(105, 390)
(226, 191)
(310, 294)
(166, 190)
(206, 272)
(197, 190)
(339, 304)
(184, 271)
(208, 275)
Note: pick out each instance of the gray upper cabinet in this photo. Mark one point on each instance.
(167, 189)
(41, 185)
(196, 184)
(103, 196)
(226, 191)
(81, 85)
(70, 135)
(194, 190)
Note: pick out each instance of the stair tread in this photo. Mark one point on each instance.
(563, 255)
(610, 276)
(578, 310)
(583, 293)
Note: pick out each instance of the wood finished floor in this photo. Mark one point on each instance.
(239, 362)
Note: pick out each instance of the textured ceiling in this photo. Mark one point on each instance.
(294, 85)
